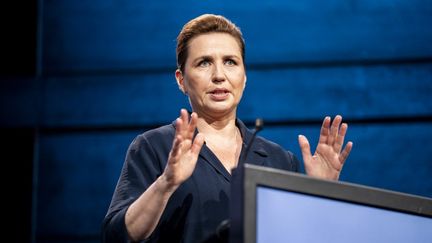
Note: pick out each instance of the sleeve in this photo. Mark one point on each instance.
(140, 169)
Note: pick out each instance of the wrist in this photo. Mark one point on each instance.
(165, 185)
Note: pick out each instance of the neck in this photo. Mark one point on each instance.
(224, 128)
(224, 139)
(217, 119)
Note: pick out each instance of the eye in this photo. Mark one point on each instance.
(204, 63)
(230, 62)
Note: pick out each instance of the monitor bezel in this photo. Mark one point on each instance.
(256, 176)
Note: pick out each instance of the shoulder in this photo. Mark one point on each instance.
(271, 146)
(160, 135)
(279, 157)
(160, 132)
(275, 153)
(150, 149)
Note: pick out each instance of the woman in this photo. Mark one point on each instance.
(175, 182)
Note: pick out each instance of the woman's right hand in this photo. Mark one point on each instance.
(184, 152)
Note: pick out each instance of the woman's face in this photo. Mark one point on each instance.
(214, 75)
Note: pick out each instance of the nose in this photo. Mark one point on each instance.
(218, 73)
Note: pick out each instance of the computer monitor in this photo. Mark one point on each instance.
(280, 206)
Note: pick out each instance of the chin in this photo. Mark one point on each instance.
(221, 108)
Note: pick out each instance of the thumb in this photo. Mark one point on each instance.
(305, 148)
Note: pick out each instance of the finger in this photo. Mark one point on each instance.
(346, 151)
(184, 117)
(179, 123)
(340, 138)
(324, 133)
(176, 146)
(305, 148)
(184, 123)
(197, 144)
(192, 125)
(334, 130)
(178, 126)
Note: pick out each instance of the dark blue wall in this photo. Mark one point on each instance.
(104, 72)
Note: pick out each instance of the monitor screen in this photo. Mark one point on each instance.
(286, 216)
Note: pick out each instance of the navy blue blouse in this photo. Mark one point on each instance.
(201, 203)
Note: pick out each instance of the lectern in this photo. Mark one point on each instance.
(270, 205)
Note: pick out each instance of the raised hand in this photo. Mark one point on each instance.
(185, 150)
(329, 158)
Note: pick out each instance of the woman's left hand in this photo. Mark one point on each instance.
(329, 158)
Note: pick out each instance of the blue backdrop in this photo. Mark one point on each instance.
(104, 72)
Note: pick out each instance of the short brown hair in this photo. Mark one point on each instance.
(206, 23)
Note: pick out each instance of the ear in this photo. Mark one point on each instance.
(245, 79)
(180, 80)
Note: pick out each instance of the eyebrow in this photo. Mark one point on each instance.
(208, 57)
(205, 57)
(232, 57)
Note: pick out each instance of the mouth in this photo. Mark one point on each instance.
(219, 94)
(218, 91)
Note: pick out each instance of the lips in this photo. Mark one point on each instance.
(219, 91)
(219, 94)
